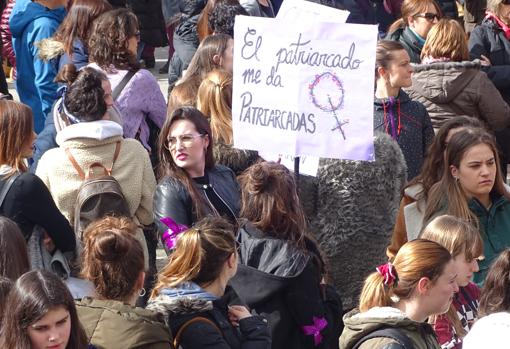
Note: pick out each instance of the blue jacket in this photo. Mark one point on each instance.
(31, 22)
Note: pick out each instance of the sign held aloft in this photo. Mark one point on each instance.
(304, 90)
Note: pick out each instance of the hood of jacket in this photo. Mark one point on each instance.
(402, 98)
(26, 11)
(268, 262)
(442, 82)
(98, 130)
(358, 325)
(114, 324)
(187, 298)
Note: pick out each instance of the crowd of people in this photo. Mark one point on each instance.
(98, 167)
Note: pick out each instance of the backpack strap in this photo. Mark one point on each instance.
(388, 332)
(81, 173)
(118, 89)
(177, 338)
(7, 185)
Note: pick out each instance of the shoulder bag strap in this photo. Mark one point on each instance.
(177, 338)
(115, 156)
(7, 186)
(75, 164)
(118, 89)
(388, 332)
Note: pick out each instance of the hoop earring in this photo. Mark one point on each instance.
(142, 292)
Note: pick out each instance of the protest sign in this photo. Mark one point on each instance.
(304, 89)
(303, 10)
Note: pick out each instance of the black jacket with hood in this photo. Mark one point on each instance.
(283, 283)
(179, 307)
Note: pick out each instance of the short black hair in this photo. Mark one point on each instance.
(222, 17)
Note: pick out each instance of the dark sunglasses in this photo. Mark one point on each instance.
(505, 2)
(430, 16)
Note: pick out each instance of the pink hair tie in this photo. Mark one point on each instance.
(169, 237)
(388, 272)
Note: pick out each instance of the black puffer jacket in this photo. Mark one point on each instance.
(173, 200)
(151, 22)
(411, 44)
(177, 310)
(283, 283)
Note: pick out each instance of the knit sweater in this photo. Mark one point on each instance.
(140, 99)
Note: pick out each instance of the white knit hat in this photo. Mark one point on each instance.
(492, 331)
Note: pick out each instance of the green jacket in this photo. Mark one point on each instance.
(358, 325)
(116, 325)
(495, 230)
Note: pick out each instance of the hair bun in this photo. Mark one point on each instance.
(259, 178)
(109, 246)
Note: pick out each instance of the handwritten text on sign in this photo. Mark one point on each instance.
(304, 90)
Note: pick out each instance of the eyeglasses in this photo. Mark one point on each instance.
(505, 2)
(429, 16)
(185, 140)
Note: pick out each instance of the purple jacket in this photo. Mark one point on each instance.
(141, 98)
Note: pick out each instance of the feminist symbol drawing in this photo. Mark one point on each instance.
(327, 94)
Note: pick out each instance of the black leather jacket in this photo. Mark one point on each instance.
(172, 199)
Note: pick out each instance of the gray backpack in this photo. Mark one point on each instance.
(97, 197)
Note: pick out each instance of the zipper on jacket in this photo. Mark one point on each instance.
(204, 187)
(232, 212)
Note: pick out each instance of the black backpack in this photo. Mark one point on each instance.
(388, 332)
(97, 197)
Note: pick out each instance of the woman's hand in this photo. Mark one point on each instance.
(236, 313)
(48, 243)
(485, 61)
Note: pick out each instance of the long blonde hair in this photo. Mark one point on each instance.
(415, 259)
(457, 236)
(199, 255)
(214, 100)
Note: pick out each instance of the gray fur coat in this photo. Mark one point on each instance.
(357, 205)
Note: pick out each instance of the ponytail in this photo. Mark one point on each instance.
(375, 293)
(416, 259)
(199, 255)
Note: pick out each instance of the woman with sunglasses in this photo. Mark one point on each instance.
(418, 17)
(191, 185)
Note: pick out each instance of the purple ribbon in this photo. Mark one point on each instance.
(319, 323)
(169, 237)
(391, 116)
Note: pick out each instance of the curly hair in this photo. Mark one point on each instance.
(84, 98)
(222, 16)
(109, 40)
